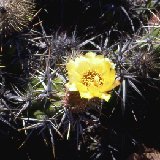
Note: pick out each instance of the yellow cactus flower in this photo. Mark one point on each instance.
(92, 75)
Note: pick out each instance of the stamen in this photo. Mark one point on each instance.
(92, 78)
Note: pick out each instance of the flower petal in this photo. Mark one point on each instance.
(92, 75)
(86, 95)
(90, 55)
(71, 87)
(106, 97)
(81, 87)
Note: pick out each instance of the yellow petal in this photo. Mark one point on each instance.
(83, 67)
(106, 97)
(81, 87)
(80, 59)
(70, 65)
(100, 57)
(71, 87)
(116, 83)
(94, 90)
(90, 55)
(74, 77)
(86, 95)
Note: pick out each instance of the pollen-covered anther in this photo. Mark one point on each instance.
(92, 77)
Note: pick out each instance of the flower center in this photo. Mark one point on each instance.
(92, 78)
